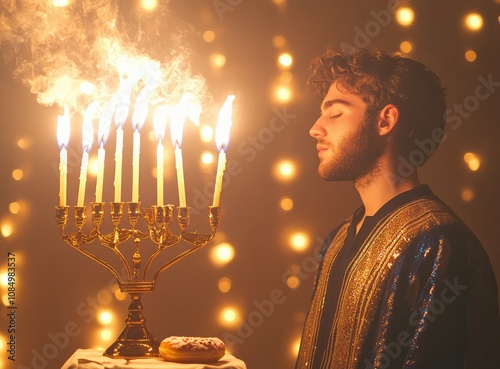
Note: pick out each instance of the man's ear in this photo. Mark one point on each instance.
(388, 119)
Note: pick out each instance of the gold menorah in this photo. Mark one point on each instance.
(135, 340)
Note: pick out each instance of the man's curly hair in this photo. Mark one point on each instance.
(381, 79)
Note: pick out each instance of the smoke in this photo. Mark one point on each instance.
(55, 50)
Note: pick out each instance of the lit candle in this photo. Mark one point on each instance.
(63, 128)
(87, 140)
(138, 119)
(160, 121)
(102, 137)
(176, 127)
(122, 107)
(221, 140)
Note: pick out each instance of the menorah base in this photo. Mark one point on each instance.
(135, 341)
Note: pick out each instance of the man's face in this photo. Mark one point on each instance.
(348, 143)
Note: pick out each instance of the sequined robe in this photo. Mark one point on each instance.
(418, 292)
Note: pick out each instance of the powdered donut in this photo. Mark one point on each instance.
(192, 349)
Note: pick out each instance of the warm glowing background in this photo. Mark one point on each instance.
(275, 209)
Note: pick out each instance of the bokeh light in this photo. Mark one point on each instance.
(6, 229)
(283, 93)
(406, 47)
(229, 316)
(470, 55)
(106, 334)
(295, 346)
(224, 284)
(218, 60)
(149, 4)
(299, 241)
(222, 253)
(279, 41)
(474, 21)
(467, 194)
(4, 279)
(207, 157)
(208, 36)
(285, 60)
(285, 170)
(93, 166)
(5, 300)
(286, 203)
(472, 160)
(293, 282)
(22, 143)
(17, 174)
(14, 207)
(206, 133)
(405, 16)
(105, 317)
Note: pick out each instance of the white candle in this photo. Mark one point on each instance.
(63, 172)
(180, 177)
(135, 166)
(221, 140)
(62, 139)
(159, 173)
(83, 178)
(100, 173)
(118, 164)
(221, 167)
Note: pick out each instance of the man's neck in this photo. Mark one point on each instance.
(378, 190)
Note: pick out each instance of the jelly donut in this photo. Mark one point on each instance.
(192, 349)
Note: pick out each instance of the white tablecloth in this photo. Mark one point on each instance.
(94, 359)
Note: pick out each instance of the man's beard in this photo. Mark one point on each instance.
(354, 156)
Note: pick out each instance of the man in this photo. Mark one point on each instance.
(402, 283)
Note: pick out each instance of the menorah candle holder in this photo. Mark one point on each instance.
(135, 341)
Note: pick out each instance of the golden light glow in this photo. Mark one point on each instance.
(285, 60)
(208, 36)
(22, 143)
(279, 41)
(206, 133)
(405, 16)
(224, 285)
(294, 348)
(106, 334)
(2, 343)
(149, 4)
(472, 160)
(218, 60)
(474, 21)
(93, 166)
(229, 316)
(5, 300)
(406, 47)
(285, 170)
(286, 203)
(61, 3)
(207, 157)
(120, 296)
(14, 207)
(293, 282)
(467, 195)
(6, 230)
(87, 88)
(4, 279)
(17, 174)
(222, 253)
(299, 241)
(283, 93)
(279, 2)
(105, 317)
(470, 55)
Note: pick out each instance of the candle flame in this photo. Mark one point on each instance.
(88, 128)
(105, 124)
(188, 106)
(63, 128)
(160, 121)
(224, 124)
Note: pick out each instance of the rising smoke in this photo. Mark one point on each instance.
(55, 49)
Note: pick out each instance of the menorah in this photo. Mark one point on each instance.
(135, 340)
